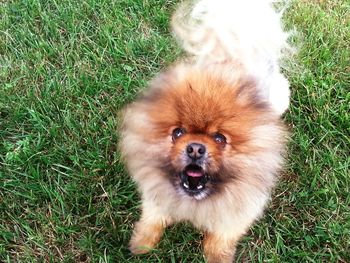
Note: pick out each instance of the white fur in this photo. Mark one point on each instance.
(248, 32)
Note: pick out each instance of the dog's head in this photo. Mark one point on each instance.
(203, 127)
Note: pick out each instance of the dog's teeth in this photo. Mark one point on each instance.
(186, 185)
(199, 186)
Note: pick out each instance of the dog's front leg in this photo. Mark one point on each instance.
(147, 231)
(219, 249)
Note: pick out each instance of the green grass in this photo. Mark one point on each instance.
(67, 67)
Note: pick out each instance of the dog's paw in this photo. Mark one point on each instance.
(145, 237)
(141, 244)
(218, 249)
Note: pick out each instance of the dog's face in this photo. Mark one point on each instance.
(196, 157)
(200, 125)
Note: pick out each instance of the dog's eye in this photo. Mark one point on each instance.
(219, 138)
(177, 133)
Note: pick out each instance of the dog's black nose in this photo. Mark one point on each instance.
(195, 150)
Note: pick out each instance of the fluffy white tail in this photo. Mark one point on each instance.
(248, 32)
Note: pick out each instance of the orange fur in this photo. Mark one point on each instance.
(145, 236)
(218, 249)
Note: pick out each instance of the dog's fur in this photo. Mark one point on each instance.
(229, 85)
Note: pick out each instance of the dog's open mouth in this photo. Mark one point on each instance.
(193, 179)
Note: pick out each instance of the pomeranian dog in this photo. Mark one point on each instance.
(204, 143)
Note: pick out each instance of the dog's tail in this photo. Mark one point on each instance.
(224, 29)
(247, 32)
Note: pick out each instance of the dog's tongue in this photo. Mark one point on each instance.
(194, 173)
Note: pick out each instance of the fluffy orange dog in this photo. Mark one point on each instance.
(205, 142)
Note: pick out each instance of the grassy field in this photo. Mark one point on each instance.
(67, 67)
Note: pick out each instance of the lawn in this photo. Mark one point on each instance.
(67, 67)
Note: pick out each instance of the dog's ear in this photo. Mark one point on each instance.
(248, 93)
(158, 85)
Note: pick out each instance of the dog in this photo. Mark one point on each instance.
(205, 141)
